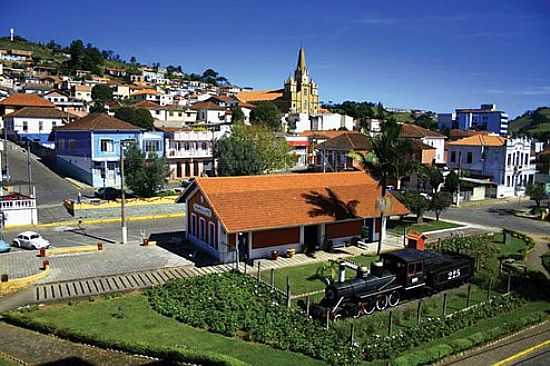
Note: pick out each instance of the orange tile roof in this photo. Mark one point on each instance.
(410, 130)
(37, 112)
(480, 140)
(147, 104)
(259, 95)
(329, 134)
(26, 100)
(275, 201)
(145, 92)
(99, 121)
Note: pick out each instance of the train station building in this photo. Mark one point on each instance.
(262, 214)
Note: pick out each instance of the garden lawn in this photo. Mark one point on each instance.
(302, 279)
(129, 318)
(395, 227)
(516, 247)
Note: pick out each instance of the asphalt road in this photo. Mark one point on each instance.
(51, 189)
(66, 236)
(499, 215)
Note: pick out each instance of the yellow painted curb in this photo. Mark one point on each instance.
(98, 221)
(19, 283)
(519, 355)
(130, 202)
(71, 250)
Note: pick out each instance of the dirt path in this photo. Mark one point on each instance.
(533, 258)
(38, 349)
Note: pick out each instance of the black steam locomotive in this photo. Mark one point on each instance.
(399, 274)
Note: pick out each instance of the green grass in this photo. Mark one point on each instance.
(516, 247)
(396, 226)
(302, 278)
(37, 50)
(141, 324)
(488, 324)
(402, 116)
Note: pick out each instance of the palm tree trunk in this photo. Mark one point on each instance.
(379, 250)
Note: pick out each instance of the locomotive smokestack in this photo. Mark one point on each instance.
(341, 272)
(376, 268)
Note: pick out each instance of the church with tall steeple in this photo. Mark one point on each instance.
(300, 92)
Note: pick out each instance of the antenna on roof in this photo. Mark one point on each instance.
(11, 34)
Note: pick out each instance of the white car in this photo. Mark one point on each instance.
(30, 240)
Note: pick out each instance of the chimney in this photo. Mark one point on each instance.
(341, 272)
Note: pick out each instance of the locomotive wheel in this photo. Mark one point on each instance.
(368, 307)
(381, 302)
(394, 298)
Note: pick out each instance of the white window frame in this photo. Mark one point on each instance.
(112, 145)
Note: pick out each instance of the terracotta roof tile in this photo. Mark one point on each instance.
(410, 130)
(147, 104)
(480, 140)
(99, 121)
(259, 95)
(35, 112)
(323, 134)
(207, 105)
(346, 142)
(26, 100)
(272, 201)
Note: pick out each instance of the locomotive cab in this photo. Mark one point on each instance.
(408, 266)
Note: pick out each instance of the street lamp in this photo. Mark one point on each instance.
(124, 228)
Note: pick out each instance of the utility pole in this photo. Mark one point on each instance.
(123, 226)
(29, 176)
(6, 166)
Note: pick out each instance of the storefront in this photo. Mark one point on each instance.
(260, 214)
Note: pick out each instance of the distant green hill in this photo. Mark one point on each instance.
(532, 123)
(38, 51)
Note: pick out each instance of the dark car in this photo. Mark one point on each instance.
(108, 193)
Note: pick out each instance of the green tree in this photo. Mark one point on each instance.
(452, 182)
(268, 114)
(140, 117)
(102, 93)
(426, 120)
(417, 203)
(380, 111)
(251, 150)
(383, 160)
(536, 192)
(144, 176)
(237, 114)
(97, 107)
(433, 175)
(440, 202)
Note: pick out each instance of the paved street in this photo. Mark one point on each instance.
(50, 187)
(499, 215)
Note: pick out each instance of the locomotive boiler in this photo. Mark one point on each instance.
(397, 275)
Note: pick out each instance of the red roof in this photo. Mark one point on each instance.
(26, 100)
(99, 121)
(275, 201)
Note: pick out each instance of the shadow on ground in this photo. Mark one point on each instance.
(175, 242)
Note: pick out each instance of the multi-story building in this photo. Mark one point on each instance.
(485, 118)
(189, 153)
(82, 92)
(506, 162)
(88, 149)
(427, 137)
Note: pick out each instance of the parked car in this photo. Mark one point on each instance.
(30, 240)
(108, 193)
(4, 246)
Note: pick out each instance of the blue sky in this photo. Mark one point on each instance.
(432, 54)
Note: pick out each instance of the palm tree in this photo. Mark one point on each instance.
(384, 161)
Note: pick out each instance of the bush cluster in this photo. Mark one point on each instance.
(432, 354)
(384, 347)
(233, 304)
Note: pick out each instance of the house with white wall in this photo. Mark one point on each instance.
(34, 124)
(505, 161)
(427, 137)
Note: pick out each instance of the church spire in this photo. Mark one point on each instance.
(301, 68)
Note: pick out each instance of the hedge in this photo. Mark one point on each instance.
(163, 353)
(437, 352)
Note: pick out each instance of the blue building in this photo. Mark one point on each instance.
(88, 149)
(486, 118)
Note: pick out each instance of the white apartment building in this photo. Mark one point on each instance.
(506, 161)
(189, 153)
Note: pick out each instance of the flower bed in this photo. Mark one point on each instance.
(233, 304)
